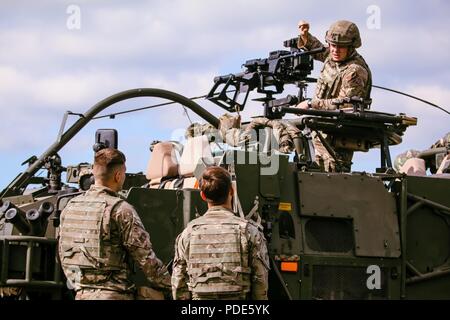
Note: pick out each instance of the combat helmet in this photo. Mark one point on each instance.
(344, 33)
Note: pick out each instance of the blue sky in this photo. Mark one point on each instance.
(47, 68)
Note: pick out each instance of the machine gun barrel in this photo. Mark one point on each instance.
(383, 118)
(304, 53)
(226, 77)
(267, 75)
(432, 152)
(289, 100)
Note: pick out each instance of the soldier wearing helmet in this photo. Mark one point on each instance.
(345, 74)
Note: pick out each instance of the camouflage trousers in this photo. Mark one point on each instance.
(218, 297)
(10, 292)
(142, 293)
(100, 294)
(324, 159)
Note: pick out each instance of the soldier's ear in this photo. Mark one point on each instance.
(202, 194)
(117, 175)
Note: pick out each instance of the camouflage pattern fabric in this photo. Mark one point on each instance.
(220, 256)
(121, 234)
(324, 159)
(338, 80)
(197, 129)
(142, 293)
(6, 292)
(344, 33)
(230, 129)
(284, 132)
(99, 294)
(147, 293)
(402, 157)
(232, 134)
(345, 79)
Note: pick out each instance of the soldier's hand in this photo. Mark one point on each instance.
(303, 28)
(303, 105)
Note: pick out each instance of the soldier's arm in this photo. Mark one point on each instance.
(259, 263)
(354, 82)
(180, 290)
(136, 240)
(313, 43)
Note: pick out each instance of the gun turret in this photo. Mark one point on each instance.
(268, 76)
(357, 130)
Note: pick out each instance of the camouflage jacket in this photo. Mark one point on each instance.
(123, 231)
(284, 132)
(338, 80)
(253, 248)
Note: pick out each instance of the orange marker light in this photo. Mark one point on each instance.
(289, 266)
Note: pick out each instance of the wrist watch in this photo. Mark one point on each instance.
(309, 103)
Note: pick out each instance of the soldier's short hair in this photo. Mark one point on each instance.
(215, 184)
(106, 161)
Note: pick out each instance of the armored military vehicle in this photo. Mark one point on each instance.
(331, 235)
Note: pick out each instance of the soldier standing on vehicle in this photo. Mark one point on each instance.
(219, 255)
(345, 74)
(101, 234)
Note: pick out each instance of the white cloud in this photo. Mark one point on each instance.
(181, 45)
(73, 89)
(53, 91)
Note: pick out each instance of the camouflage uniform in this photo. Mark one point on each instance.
(284, 132)
(338, 80)
(197, 129)
(403, 157)
(220, 256)
(100, 234)
(230, 129)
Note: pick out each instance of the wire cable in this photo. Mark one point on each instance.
(112, 115)
(412, 97)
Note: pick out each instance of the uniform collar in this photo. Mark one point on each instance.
(219, 208)
(102, 189)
